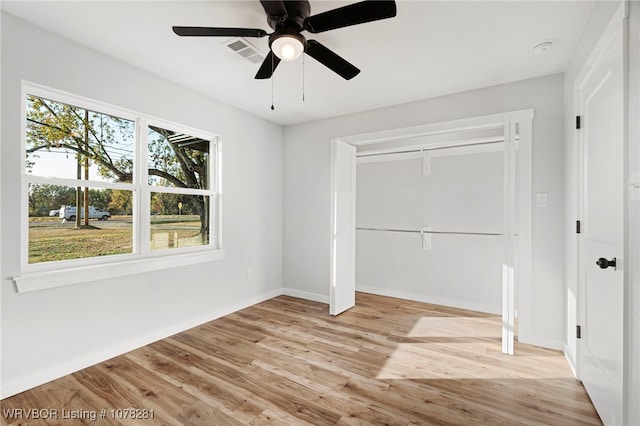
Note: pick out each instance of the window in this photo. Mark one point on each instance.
(178, 176)
(104, 184)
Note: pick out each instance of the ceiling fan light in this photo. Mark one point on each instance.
(287, 47)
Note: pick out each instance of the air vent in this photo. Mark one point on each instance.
(245, 49)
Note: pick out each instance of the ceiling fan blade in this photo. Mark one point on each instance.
(268, 66)
(331, 60)
(274, 8)
(353, 14)
(219, 32)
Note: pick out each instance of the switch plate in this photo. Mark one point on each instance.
(634, 186)
(541, 199)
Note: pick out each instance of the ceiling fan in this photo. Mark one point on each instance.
(288, 19)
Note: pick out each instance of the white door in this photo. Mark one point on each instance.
(343, 229)
(601, 240)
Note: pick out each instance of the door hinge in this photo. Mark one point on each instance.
(578, 227)
(578, 332)
(577, 121)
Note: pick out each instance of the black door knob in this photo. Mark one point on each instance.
(604, 263)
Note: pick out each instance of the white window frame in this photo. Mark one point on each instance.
(52, 274)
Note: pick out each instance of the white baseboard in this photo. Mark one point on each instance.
(314, 297)
(429, 299)
(542, 341)
(570, 357)
(12, 387)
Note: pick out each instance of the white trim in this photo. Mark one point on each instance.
(453, 126)
(178, 190)
(29, 88)
(32, 281)
(418, 297)
(47, 180)
(604, 44)
(570, 360)
(508, 241)
(443, 127)
(524, 240)
(542, 341)
(142, 200)
(16, 386)
(300, 294)
(217, 219)
(632, 213)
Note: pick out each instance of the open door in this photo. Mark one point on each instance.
(601, 291)
(343, 228)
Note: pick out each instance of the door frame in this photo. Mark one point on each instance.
(632, 214)
(617, 28)
(516, 282)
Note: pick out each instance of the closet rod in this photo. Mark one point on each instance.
(364, 154)
(428, 232)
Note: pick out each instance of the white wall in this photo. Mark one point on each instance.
(52, 332)
(307, 164)
(463, 193)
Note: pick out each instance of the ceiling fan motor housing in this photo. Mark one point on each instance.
(296, 13)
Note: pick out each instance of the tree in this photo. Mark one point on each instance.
(106, 141)
(121, 202)
(43, 198)
(100, 198)
(54, 126)
(181, 161)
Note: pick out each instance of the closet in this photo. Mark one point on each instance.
(440, 213)
(431, 229)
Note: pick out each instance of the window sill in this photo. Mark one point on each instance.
(42, 280)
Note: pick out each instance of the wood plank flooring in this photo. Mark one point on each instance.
(287, 362)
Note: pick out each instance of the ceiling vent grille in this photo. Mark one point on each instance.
(243, 48)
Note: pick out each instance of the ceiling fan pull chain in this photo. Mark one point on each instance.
(303, 78)
(272, 78)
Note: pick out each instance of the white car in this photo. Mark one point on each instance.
(69, 213)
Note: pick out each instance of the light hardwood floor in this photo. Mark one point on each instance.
(287, 362)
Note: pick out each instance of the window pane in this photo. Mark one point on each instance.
(179, 220)
(53, 234)
(70, 142)
(177, 160)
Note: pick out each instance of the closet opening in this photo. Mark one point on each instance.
(439, 217)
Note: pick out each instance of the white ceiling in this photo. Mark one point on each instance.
(431, 48)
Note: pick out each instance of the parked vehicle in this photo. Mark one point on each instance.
(54, 213)
(69, 213)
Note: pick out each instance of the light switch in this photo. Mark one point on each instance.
(634, 183)
(541, 199)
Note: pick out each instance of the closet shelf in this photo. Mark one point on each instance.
(421, 231)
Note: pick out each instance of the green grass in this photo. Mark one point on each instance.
(50, 240)
(64, 243)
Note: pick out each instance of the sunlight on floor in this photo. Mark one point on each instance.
(466, 348)
(456, 326)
